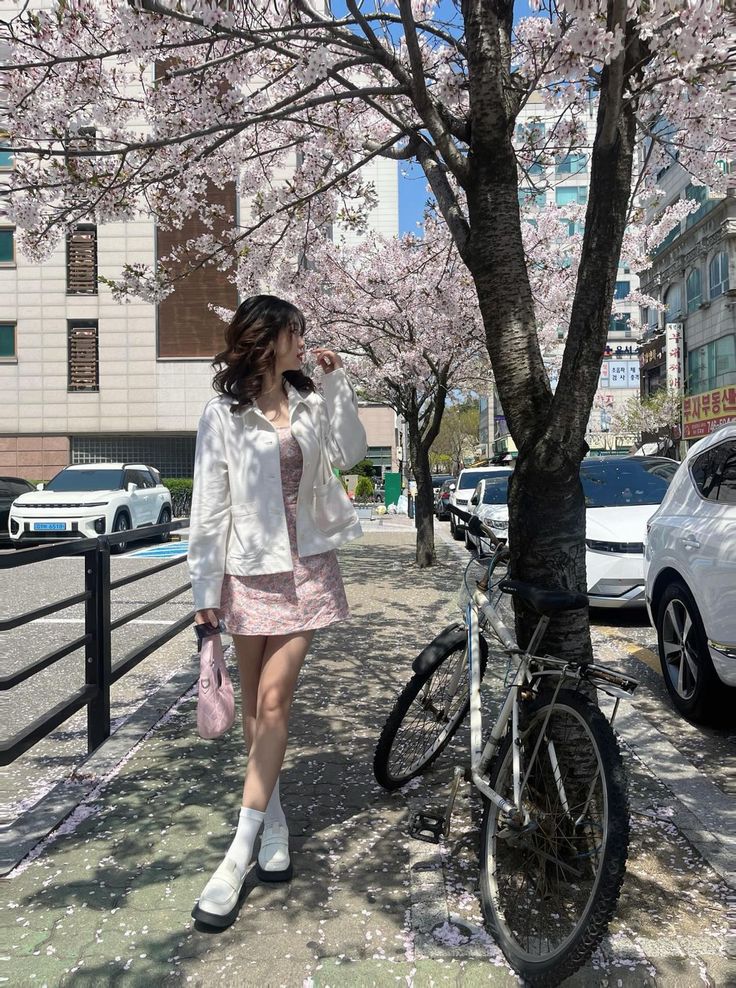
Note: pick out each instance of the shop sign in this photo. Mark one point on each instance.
(704, 413)
(674, 362)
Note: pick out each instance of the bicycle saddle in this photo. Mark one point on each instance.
(544, 601)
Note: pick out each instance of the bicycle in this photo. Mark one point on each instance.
(555, 828)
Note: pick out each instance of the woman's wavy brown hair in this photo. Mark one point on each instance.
(250, 350)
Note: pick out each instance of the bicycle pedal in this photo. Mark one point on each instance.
(428, 827)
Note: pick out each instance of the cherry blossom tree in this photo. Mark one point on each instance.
(404, 313)
(660, 411)
(289, 100)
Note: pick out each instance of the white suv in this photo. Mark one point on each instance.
(88, 500)
(690, 566)
(465, 484)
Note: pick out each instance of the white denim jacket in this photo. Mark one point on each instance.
(238, 524)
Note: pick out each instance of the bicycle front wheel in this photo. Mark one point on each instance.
(425, 716)
(549, 885)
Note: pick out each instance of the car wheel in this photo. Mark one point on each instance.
(687, 668)
(469, 545)
(164, 519)
(121, 524)
(456, 532)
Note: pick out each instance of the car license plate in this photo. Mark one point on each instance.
(49, 526)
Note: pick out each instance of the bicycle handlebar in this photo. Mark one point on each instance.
(476, 526)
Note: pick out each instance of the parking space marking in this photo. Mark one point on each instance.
(645, 655)
(160, 552)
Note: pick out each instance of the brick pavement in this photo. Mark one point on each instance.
(107, 899)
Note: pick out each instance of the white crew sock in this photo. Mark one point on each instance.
(274, 812)
(241, 849)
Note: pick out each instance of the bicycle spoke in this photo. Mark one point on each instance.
(544, 877)
(427, 723)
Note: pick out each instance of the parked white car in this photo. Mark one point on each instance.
(489, 502)
(91, 499)
(690, 564)
(465, 484)
(621, 494)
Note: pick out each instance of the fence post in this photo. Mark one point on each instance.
(98, 665)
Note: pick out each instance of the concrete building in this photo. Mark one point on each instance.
(692, 344)
(87, 379)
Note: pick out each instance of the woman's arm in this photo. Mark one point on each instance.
(210, 515)
(345, 435)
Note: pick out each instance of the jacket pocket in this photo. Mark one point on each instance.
(246, 534)
(333, 509)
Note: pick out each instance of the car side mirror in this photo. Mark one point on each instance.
(131, 487)
(39, 487)
(474, 499)
(452, 487)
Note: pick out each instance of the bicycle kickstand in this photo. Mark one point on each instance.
(433, 826)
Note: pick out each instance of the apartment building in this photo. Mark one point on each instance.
(86, 379)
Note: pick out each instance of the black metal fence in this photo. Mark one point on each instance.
(96, 640)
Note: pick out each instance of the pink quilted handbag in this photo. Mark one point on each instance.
(215, 699)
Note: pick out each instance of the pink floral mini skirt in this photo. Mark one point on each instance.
(310, 596)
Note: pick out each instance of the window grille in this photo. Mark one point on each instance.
(81, 261)
(83, 365)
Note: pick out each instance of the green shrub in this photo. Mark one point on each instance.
(364, 468)
(178, 485)
(363, 488)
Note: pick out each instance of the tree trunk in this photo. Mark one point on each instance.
(546, 504)
(424, 504)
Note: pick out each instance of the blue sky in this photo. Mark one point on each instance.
(412, 182)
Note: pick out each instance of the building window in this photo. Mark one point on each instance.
(619, 323)
(623, 288)
(7, 246)
(693, 290)
(528, 197)
(7, 340)
(172, 455)
(81, 261)
(712, 366)
(573, 228)
(380, 456)
(83, 372)
(571, 195)
(673, 302)
(7, 159)
(572, 164)
(718, 275)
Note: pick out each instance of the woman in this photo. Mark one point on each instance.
(267, 514)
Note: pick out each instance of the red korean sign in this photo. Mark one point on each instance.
(703, 413)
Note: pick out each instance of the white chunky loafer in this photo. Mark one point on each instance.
(219, 902)
(274, 863)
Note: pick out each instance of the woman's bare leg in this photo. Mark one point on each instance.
(249, 650)
(283, 656)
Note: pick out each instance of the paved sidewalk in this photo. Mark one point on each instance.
(106, 900)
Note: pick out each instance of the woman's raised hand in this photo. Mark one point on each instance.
(328, 360)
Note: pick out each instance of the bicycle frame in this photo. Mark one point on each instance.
(481, 755)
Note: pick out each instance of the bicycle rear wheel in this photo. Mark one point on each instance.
(549, 889)
(424, 717)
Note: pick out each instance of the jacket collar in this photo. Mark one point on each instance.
(295, 397)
